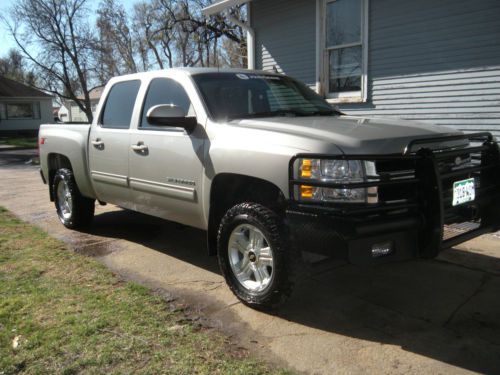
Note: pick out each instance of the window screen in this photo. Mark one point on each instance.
(344, 44)
(120, 105)
(165, 91)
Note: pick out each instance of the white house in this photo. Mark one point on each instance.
(22, 108)
(427, 60)
(70, 112)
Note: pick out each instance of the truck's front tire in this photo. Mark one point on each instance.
(74, 210)
(254, 255)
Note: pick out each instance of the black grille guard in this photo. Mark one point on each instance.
(432, 201)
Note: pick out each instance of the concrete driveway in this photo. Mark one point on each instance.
(440, 316)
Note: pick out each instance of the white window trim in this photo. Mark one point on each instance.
(322, 71)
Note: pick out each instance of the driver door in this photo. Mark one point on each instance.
(165, 163)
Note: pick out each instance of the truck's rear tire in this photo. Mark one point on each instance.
(254, 255)
(74, 210)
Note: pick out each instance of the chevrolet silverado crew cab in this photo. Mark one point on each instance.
(269, 169)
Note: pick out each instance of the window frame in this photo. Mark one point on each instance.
(3, 111)
(323, 56)
(143, 105)
(35, 110)
(103, 109)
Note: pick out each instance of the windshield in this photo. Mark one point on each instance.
(231, 96)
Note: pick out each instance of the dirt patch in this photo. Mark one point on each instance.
(98, 249)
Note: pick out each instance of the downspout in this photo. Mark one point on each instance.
(250, 37)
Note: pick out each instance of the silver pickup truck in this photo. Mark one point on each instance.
(270, 170)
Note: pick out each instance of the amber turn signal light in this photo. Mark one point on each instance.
(306, 192)
(306, 168)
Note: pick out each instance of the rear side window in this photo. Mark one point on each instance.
(165, 91)
(120, 105)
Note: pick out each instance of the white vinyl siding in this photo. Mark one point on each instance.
(285, 37)
(436, 62)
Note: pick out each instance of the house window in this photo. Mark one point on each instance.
(23, 111)
(346, 46)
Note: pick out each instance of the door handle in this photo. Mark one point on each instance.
(140, 147)
(98, 144)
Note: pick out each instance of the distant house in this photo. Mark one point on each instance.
(63, 113)
(426, 60)
(22, 108)
(70, 112)
(55, 113)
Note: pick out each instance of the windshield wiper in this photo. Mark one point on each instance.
(285, 112)
(281, 112)
(327, 112)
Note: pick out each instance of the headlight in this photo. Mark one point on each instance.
(335, 171)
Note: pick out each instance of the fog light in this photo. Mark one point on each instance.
(381, 249)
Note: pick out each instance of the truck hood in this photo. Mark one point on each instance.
(354, 135)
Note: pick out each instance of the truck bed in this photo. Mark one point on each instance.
(70, 140)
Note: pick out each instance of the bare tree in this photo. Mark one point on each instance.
(69, 58)
(13, 66)
(205, 33)
(116, 51)
(56, 40)
(155, 34)
(232, 54)
(175, 33)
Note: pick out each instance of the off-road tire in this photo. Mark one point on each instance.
(82, 208)
(274, 230)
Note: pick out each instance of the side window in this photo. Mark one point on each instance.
(165, 91)
(120, 105)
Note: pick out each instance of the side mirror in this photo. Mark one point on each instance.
(170, 115)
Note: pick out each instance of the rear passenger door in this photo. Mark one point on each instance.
(166, 162)
(109, 144)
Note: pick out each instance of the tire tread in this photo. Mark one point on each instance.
(83, 208)
(285, 257)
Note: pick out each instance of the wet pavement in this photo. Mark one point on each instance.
(440, 316)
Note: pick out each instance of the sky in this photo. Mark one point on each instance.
(6, 41)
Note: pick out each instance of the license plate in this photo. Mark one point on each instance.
(463, 191)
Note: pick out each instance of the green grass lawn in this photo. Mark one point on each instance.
(31, 142)
(63, 313)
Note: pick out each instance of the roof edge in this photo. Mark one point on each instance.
(221, 6)
(8, 86)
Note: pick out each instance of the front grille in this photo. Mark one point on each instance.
(396, 170)
(456, 163)
(394, 187)
(478, 159)
(419, 182)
